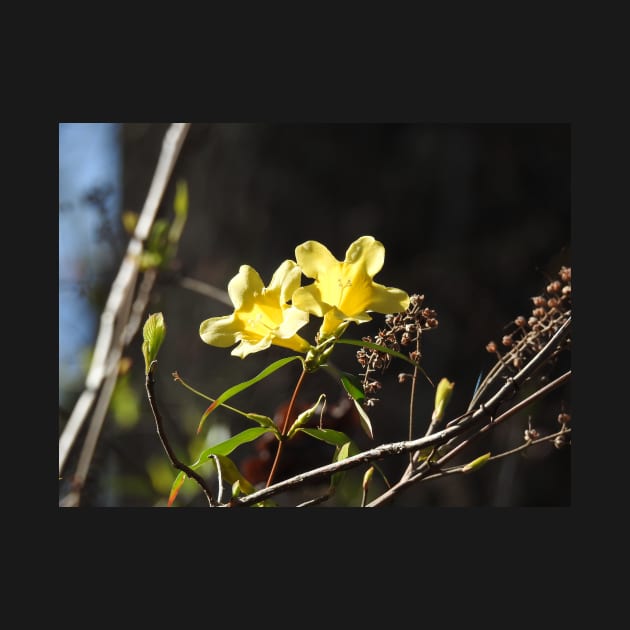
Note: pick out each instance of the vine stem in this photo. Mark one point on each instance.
(285, 427)
(149, 382)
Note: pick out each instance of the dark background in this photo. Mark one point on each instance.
(475, 217)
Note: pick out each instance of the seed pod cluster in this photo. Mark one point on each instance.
(402, 332)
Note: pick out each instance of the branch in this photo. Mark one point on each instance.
(110, 341)
(422, 472)
(149, 382)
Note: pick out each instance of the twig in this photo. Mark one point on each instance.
(410, 478)
(110, 341)
(518, 449)
(205, 289)
(149, 382)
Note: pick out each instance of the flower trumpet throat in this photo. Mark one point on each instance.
(345, 291)
(262, 315)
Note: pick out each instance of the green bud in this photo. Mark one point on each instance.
(476, 463)
(305, 416)
(442, 396)
(153, 333)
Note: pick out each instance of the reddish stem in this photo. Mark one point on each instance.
(285, 427)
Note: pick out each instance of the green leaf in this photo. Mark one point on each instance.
(153, 333)
(305, 416)
(176, 487)
(366, 425)
(336, 438)
(263, 421)
(236, 389)
(342, 452)
(353, 385)
(231, 474)
(225, 448)
(379, 347)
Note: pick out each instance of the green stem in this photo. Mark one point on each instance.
(179, 379)
(285, 426)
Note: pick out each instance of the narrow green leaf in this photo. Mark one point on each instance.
(263, 421)
(379, 347)
(153, 333)
(305, 416)
(353, 385)
(175, 488)
(226, 447)
(336, 438)
(231, 474)
(366, 425)
(342, 452)
(236, 389)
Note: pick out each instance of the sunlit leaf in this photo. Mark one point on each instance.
(366, 425)
(330, 436)
(176, 487)
(232, 391)
(231, 474)
(225, 448)
(353, 385)
(263, 421)
(343, 452)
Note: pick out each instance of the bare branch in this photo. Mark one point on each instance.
(110, 340)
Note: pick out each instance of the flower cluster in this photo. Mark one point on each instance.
(342, 292)
(402, 330)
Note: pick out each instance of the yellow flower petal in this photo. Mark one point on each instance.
(369, 252)
(261, 316)
(309, 299)
(345, 291)
(314, 258)
(244, 286)
(219, 331)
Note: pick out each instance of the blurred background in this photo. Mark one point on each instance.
(475, 217)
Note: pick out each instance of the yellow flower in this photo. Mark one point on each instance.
(345, 291)
(261, 314)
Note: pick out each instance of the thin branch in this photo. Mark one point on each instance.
(189, 472)
(422, 472)
(518, 449)
(206, 289)
(109, 343)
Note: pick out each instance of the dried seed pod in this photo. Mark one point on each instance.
(520, 321)
(539, 300)
(554, 287)
(491, 347)
(560, 441)
(565, 274)
(507, 340)
(564, 418)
